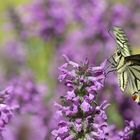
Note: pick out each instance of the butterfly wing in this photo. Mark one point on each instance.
(133, 71)
(133, 59)
(127, 65)
(122, 42)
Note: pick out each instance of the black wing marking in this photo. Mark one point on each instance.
(134, 59)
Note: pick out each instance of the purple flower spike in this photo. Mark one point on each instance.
(26, 94)
(84, 118)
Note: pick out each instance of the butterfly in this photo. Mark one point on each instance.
(126, 65)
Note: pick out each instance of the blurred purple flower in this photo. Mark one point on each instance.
(12, 59)
(6, 110)
(47, 19)
(25, 127)
(120, 15)
(136, 134)
(27, 94)
(14, 50)
(30, 97)
(6, 113)
(128, 131)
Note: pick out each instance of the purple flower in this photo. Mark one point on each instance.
(85, 106)
(78, 104)
(136, 133)
(6, 110)
(25, 126)
(76, 74)
(6, 114)
(122, 16)
(25, 93)
(126, 134)
(78, 125)
(14, 50)
(63, 131)
(70, 95)
(47, 19)
(83, 117)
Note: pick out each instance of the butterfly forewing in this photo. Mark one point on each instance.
(122, 41)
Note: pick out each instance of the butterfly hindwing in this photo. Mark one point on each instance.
(133, 70)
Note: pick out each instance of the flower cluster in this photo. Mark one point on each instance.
(47, 19)
(26, 93)
(29, 96)
(6, 110)
(83, 117)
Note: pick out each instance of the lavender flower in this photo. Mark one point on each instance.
(6, 115)
(83, 117)
(126, 134)
(9, 53)
(47, 19)
(119, 17)
(25, 93)
(79, 105)
(14, 50)
(6, 110)
(33, 109)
